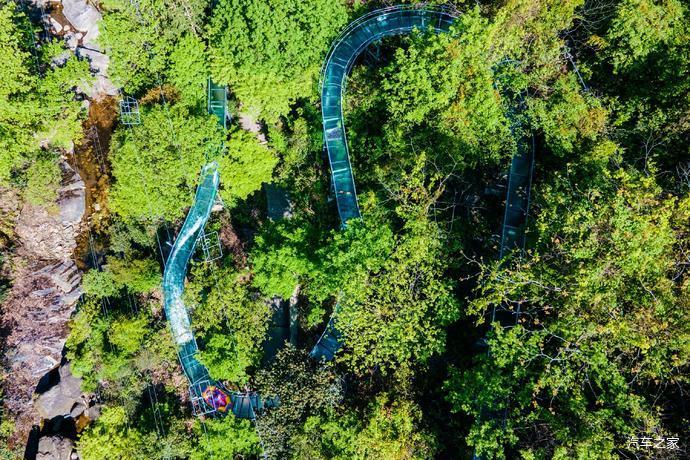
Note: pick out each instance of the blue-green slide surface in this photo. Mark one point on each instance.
(348, 46)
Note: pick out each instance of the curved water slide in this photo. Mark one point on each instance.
(377, 24)
(397, 20)
(207, 395)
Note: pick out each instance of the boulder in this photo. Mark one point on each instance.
(37, 308)
(55, 448)
(57, 27)
(71, 39)
(63, 399)
(95, 56)
(99, 64)
(48, 235)
(83, 17)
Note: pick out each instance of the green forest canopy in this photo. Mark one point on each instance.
(602, 346)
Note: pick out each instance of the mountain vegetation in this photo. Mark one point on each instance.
(597, 349)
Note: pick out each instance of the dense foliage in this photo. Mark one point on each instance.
(270, 52)
(39, 116)
(597, 346)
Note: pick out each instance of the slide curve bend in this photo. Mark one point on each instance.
(207, 395)
(396, 20)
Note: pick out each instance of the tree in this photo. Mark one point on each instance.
(397, 315)
(233, 323)
(641, 27)
(226, 437)
(270, 52)
(99, 284)
(347, 263)
(38, 110)
(138, 276)
(43, 180)
(644, 46)
(389, 429)
(280, 258)
(447, 78)
(189, 70)
(530, 36)
(85, 343)
(393, 297)
(246, 165)
(110, 437)
(139, 37)
(7, 428)
(136, 51)
(18, 109)
(116, 352)
(566, 116)
(302, 388)
(127, 334)
(61, 112)
(595, 331)
(156, 164)
(599, 351)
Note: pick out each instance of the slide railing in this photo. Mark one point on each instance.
(339, 61)
(217, 97)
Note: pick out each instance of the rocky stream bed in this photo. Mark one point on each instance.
(44, 267)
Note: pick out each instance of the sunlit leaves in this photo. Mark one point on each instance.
(270, 52)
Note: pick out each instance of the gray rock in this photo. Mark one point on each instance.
(93, 412)
(61, 58)
(48, 235)
(40, 4)
(98, 60)
(63, 399)
(83, 17)
(38, 308)
(81, 34)
(71, 40)
(78, 409)
(56, 26)
(72, 206)
(99, 64)
(55, 448)
(103, 85)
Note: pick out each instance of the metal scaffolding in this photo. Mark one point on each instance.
(129, 111)
(210, 246)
